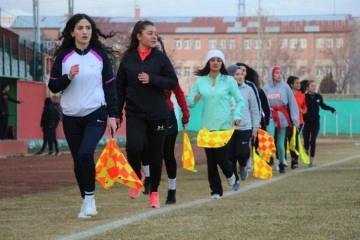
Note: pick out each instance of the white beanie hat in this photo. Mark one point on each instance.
(215, 53)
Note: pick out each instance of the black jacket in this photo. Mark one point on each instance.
(146, 101)
(50, 116)
(313, 103)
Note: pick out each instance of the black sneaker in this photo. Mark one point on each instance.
(147, 185)
(282, 167)
(294, 164)
(171, 197)
(39, 153)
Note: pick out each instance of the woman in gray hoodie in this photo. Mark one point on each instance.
(239, 150)
(284, 111)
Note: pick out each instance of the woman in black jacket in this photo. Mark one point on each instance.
(144, 74)
(49, 120)
(312, 118)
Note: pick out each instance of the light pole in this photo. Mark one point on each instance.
(36, 24)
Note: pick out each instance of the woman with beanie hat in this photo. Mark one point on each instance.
(282, 102)
(216, 88)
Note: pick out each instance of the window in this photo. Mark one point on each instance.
(197, 43)
(178, 44)
(257, 44)
(232, 43)
(319, 71)
(178, 71)
(339, 42)
(267, 43)
(293, 43)
(47, 44)
(283, 43)
(222, 43)
(303, 42)
(187, 72)
(212, 44)
(319, 43)
(187, 44)
(247, 43)
(329, 43)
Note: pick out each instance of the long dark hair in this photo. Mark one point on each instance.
(161, 44)
(206, 70)
(304, 84)
(251, 75)
(138, 29)
(291, 80)
(69, 41)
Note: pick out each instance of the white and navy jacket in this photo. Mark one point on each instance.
(91, 88)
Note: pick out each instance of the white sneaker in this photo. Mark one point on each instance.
(90, 208)
(231, 180)
(215, 196)
(249, 165)
(285, 162)
(82, 214)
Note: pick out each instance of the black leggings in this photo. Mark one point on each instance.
(152, 133)
(169, 148)
(310, 132)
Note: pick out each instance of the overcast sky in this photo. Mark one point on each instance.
(155, 8)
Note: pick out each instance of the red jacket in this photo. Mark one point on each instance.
(180, 98)
(300, 100)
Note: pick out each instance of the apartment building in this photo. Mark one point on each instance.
(309, 47)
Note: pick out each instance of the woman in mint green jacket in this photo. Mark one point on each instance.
(216, 88)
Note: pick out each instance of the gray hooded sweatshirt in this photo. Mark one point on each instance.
(280, 94)
(250, 110)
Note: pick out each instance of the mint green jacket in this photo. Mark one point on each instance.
(216, 112)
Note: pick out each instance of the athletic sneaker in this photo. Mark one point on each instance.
(147, 185)
(311, 165)
(282, 168)
(171, 197)
(154, 200)
(243, 173)
(236, 186)
(294, 164)
(215, 196)
(249, 165)
(82, 213)
(285, 163)
(134, 193)
(90, 208)
(231, 180)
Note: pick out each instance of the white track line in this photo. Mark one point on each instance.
(154, 212)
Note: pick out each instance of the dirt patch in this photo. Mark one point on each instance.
(31, 174)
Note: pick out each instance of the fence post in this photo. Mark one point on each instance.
(324, 132)
(336, 124)
(350, 125)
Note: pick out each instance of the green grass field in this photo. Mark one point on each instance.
(318, 203)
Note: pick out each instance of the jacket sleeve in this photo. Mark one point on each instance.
(239, 100)
(168, 78)
(180, 98)
(324, 106)
(254, 111)
(109, 87)
(265, 107)
(193, 92)
(121, 85)
(294, 110)
(57, 81)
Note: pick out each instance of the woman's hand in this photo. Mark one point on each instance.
(112, 125)
(197, 97)
(236, 122)
(143, 78)
(74, 70)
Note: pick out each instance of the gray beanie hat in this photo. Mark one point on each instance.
(232, 69)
